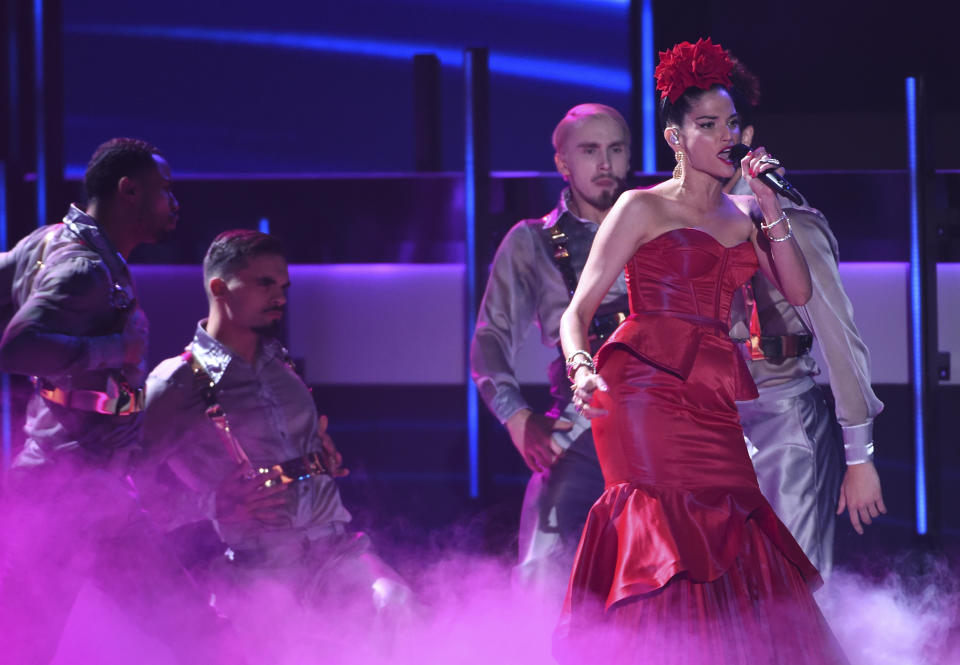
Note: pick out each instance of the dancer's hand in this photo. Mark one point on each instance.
(243, 497)
(585, 384)
(332, 459)
(532, 434)
(860, 494)
(756, 162)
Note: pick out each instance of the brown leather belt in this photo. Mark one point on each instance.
(777, 347)
(126, 402)
(297, 468)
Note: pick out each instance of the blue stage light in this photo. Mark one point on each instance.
(648, 98)
(470, 198)
(544, 69)
(593, 4)
(916, 311)
(41, 112)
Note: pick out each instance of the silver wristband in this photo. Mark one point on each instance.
(858, 453)
(858, 443)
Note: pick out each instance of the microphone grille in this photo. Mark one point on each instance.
(738, 152)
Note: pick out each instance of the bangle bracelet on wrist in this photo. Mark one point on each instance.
(581, 353)
(782, 238)
(578, 359)
(781, 218)
(786, 236)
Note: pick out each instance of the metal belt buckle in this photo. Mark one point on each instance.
(120, 298)
(124, 404)
(754, 347)
(129, 401)
(298, 468)
(123, 400)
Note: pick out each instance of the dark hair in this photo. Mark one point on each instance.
(744, 91)
(113, 160)
(671, 113)
(231, 250)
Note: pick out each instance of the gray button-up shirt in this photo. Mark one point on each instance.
(828, 315)
(526, 287)
(71, 294)
(271, 413)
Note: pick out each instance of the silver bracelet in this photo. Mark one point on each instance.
(781, 238)
(781, 218)
(579, 352)
(578, 359)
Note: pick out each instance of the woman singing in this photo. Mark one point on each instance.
(682, 559)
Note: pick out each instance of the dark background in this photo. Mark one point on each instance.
(290, 86)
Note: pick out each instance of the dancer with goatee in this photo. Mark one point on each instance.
(534, 273)
(239, 467)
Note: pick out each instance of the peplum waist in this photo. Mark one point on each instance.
(671, 341)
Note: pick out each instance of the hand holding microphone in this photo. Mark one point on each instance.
(769, 177)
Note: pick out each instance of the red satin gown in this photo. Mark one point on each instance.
(682, 560)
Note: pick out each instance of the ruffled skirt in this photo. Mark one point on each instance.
(759, 611)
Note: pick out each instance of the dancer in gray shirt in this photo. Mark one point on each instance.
(797, 447)
(239, 468)
(529, 285)
(69, 514)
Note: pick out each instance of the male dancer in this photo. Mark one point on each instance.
(70, 514)
(532, 277)
(239, 468)
(796, 445)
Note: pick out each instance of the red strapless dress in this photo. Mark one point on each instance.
(682, 560)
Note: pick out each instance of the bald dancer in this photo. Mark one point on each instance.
(534, 272)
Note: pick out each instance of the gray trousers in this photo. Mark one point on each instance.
(555, 509)
(798, 455)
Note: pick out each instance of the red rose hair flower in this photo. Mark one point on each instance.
(687, 65)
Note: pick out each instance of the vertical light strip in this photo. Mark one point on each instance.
(264, 225)
(6, 427)
(13, 108)
(40, 112)
(648, 92)
(917, 341)
(470, 273)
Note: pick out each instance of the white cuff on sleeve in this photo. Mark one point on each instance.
(858, 443)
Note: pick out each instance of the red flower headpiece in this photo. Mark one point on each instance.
(687, 65)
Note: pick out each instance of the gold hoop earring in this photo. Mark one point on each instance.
(678, 169)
